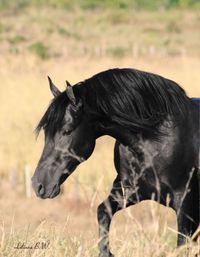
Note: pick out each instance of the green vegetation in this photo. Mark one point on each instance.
(1, 28)
(64, 32)
(117, 52)
(96, 4)
(114, 32)
(40, 49)
(115, 28)
(17, 39)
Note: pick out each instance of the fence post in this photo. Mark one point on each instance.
(28, 187)
(77, 189)
(13, 178)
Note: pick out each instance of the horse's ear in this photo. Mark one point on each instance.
(70, 93)
(55, 91)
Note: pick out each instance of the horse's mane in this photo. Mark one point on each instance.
(134, 99)
(53, 117)
(137, 100)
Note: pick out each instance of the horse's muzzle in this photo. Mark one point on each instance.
(42, 192)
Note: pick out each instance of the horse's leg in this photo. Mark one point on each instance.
(105, 212)
(109, 207)
(119, 198)
(186, 205)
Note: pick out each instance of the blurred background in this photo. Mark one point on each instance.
(73, 40)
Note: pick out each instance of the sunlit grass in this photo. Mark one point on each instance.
(51, 239)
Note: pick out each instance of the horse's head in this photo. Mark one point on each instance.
(69, 140)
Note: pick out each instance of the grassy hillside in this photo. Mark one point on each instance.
(61, 33)
(104, 4)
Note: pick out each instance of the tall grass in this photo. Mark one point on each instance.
(128, 239)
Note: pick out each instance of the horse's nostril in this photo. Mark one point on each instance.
(41, 189)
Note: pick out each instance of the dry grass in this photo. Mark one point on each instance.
(78, 47)
(70, 229)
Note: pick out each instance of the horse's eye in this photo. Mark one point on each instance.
(67, 132)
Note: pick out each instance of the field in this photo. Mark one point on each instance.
(74, 44)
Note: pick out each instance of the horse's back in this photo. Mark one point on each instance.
(196, 102)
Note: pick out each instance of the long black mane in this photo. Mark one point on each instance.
(137, 100)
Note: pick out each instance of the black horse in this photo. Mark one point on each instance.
(156, 154)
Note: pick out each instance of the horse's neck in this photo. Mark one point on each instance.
(196, 111)
(116, 131)
(103, 127)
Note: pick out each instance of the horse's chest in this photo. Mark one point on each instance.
(144, 160)
(135, 159)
